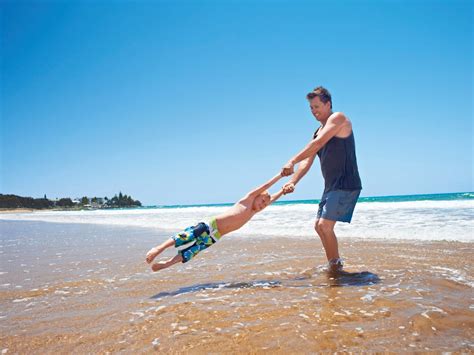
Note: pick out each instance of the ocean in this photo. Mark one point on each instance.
(448, 216)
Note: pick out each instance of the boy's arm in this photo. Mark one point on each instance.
(265, 186)
(276, 196)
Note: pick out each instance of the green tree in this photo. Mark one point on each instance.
(65, 202)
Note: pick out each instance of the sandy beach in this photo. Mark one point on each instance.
(16, 210)
(86, 289)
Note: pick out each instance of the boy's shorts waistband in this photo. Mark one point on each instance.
(213, 230)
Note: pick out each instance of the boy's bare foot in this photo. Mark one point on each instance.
(151, 255)
(164, 264)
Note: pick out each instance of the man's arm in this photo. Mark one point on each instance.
(265, 186)
(303, 168)
(331, 128)
(276, 196)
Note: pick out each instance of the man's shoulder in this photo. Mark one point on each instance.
(339, 117)
(341, 120)
(344, 123)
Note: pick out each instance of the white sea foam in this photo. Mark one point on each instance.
(420, 220)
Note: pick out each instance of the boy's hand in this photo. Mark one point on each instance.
(287, 169)
(288, 188)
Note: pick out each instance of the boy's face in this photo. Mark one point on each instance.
(261, 201)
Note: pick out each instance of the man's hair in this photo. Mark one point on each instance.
(321, 92)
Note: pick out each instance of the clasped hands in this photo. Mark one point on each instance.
(287, 170)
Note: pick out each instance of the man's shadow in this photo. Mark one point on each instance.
(338, 278)
(344, 278)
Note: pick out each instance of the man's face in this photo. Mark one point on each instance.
(321, 111)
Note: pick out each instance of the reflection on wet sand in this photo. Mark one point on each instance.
(217, 285)
(86, 289)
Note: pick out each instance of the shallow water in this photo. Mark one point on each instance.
(85, 288)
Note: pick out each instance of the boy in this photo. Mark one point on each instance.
(202, 235)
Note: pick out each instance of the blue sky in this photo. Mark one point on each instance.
(180, 102)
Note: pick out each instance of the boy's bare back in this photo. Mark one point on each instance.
(236, 216)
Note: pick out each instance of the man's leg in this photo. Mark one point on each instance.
(325, 230)
(320, 233)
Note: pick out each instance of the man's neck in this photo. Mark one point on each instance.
(323, 121)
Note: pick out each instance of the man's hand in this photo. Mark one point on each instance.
(288, 188)
(287, 169)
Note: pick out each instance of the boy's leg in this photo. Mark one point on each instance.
(153, 252)
(164, 264)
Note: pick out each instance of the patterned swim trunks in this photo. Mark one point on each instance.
(199, 237)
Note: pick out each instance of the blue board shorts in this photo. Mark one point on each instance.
(338, 205)
(196, 238)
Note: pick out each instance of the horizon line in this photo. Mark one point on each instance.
(299, 200)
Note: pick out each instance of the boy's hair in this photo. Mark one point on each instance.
(321, 92)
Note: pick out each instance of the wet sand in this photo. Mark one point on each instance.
(85, 288)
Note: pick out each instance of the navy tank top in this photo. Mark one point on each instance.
(339, 164)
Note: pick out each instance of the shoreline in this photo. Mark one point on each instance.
(55, 209)
(424, 197)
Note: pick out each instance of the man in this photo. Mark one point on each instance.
(334, 143)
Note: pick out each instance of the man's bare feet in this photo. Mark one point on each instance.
(152, 253)
(335, 265)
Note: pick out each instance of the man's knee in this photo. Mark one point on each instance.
(320, 231)
(324, 226)
(316, 227)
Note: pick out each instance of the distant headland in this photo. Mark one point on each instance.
(10, 202)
